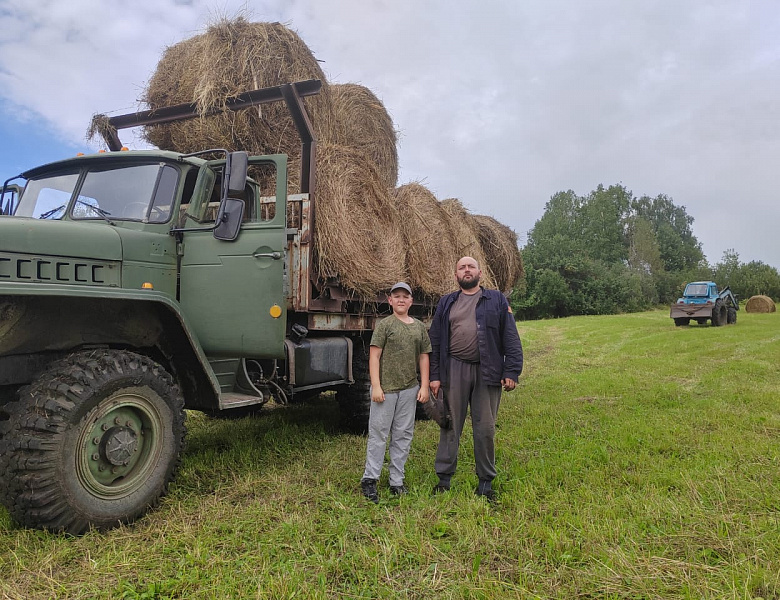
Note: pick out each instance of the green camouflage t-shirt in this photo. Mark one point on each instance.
(401, 343)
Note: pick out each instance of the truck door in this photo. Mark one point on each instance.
(233, 292)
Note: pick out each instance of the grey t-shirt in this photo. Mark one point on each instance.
(401, 343)
(463, 328)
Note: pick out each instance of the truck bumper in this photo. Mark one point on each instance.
(693, 311)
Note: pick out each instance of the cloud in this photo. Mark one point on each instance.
(499, 103)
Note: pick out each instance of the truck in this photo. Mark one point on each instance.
(702, 301)
(137, 284)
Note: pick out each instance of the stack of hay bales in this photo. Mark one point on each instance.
(502, 256)
(760, 304)
(369, 233)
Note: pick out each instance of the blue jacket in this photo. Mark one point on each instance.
(500, 350)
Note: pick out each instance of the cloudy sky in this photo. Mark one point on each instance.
(500, 103)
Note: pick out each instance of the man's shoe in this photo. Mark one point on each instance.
(440, 488)
(398, 490)
(368, 487)
(489, 494)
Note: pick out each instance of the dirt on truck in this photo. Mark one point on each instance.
(137, 284)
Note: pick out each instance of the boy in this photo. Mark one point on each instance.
(399, 345)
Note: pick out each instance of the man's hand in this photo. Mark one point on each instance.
(377, 395)
(508, 384)
(435, 385)
(422, 395)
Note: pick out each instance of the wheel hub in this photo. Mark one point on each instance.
(120, 444)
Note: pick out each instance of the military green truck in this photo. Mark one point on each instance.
(137, 284)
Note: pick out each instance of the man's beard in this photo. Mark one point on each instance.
(468, 285)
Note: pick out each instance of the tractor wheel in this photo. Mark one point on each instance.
(355, 400)
(731, 315)
(701, 321)
(719, 314)
(681, 321)
(93, 442)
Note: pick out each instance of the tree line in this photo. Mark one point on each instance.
(610, 252)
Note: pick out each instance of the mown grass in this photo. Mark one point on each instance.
(637, 460)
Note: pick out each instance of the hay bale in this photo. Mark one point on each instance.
(760, 304)
(431, 254)
(499, 245)
(356, 225)
(466, 237)
(231, 57)
(358, 119)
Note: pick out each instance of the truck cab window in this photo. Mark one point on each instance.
(138, 193)
(47, 198)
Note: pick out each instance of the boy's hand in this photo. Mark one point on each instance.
(377, 395)
(422, 395)
(435, 385)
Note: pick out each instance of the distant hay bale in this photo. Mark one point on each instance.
(358, 119)
(431, 254)
(232, 57)
(356, 226)
(760, 304)
(499, 245)
(466, 237)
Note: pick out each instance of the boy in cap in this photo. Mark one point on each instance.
(399, 345)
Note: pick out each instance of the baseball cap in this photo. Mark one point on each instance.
(401, 286)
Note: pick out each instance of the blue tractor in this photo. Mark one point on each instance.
(702, 301)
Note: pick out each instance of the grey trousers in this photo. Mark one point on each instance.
(465, 388)
(394, 418)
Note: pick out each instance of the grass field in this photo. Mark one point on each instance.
(636, 460)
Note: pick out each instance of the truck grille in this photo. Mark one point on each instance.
(44, 269)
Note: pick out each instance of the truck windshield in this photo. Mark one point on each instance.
(142, 193)
(696, 289)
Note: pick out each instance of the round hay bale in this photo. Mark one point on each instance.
(356, 225)
(232, 57)
(466, 238)
(499, 245)
(358, 119)
(760, 304)
(431, 254)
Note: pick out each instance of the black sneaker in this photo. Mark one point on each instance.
(368, 488)
(489, 494)
(398, 490)
(440, 488)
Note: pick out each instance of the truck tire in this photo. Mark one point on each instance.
(681, 321)
(355, 400)
(92, 443)
(719, 313)
(731, 315)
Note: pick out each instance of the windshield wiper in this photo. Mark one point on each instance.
(49, 213)
(100, 211)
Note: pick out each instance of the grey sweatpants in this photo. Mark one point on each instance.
(465, 388)
(395, 418)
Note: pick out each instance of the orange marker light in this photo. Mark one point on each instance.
(276, 311)
(125, 148)
(101, 151)
(79, 154)
(147, 286)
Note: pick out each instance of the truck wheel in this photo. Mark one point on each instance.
(731, 315)
(93, 442)
(355, 400)
(680, 321)
(718, 314)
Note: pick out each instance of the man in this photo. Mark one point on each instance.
(476, 352)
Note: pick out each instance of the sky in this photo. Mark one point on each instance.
(500, 103)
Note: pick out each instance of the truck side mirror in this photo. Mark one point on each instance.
(237, 166)
(229, 217)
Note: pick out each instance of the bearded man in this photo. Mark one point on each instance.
(476, 352)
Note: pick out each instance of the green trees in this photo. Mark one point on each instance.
(746, 279)
(606, 252)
